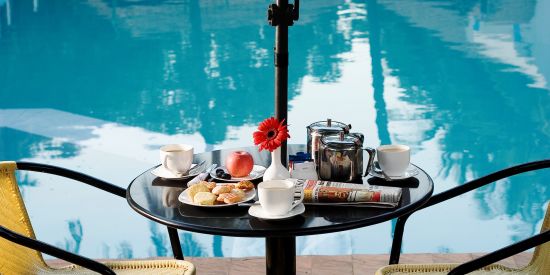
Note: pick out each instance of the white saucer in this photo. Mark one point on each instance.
(411, 172)
(258, 212)
(166, 174)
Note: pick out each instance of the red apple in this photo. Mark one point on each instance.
(239, 164)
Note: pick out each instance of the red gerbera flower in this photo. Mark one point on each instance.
(271, 134)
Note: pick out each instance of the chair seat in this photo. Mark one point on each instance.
(161, 267)
(443, 269)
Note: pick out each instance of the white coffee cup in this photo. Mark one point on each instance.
(277, 197)
(176, 158)
(394, 159)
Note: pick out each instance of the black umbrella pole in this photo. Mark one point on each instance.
(281, 73)
(281, 16)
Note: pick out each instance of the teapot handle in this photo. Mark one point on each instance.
(372, 154)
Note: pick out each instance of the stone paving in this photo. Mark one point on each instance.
(338, 265)
(327, 265)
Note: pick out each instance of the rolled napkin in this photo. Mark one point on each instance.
(200, 177)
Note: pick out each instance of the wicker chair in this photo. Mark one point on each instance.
(539, 264)
(21, 253)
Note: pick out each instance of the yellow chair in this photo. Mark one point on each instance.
(539, 264)
(21, 253)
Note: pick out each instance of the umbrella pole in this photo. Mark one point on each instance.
(281, 16)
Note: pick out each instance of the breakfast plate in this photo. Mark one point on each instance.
(257, 172)
(248, 195)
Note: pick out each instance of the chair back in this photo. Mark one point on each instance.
(540, 263)
(14, 258)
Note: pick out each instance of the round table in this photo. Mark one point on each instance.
(156, 199)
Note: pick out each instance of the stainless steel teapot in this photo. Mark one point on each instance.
(319, 129)
(341, 157)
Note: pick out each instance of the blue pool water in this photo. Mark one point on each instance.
(97, 86)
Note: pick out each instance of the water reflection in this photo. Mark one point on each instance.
(192, 247)
(98, 86)
(124, 250)
(488, 123)
(159, 240)
(75, 231)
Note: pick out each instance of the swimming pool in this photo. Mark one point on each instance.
(98, 86)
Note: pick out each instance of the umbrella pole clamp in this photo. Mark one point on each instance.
(276, 14)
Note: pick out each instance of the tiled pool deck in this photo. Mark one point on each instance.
(325, 265)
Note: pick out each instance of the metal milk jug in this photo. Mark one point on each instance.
(319, 129)
(341, 157)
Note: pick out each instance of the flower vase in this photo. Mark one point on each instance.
(276, 171)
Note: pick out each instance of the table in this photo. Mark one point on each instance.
(156, 199)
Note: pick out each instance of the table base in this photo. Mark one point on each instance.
(280, 255)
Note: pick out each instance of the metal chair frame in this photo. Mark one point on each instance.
(492, 257)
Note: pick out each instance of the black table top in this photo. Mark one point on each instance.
(157, 199)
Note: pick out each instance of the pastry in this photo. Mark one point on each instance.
(204, 198)
(238, 192)
(210, 185)
(221, 189)
(231, 198)
(245, 185)
(222, 196)
(196, 188)
(231, 186)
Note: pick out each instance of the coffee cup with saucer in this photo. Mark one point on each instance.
(176, 160)
(277, 201)
(394, 162)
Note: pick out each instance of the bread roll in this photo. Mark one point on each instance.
(221, 189)
(196, 188)
(204, 198)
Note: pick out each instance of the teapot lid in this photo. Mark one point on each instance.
(342, 141)
(328, 126)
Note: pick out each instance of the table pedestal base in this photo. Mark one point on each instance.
(280, 255)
